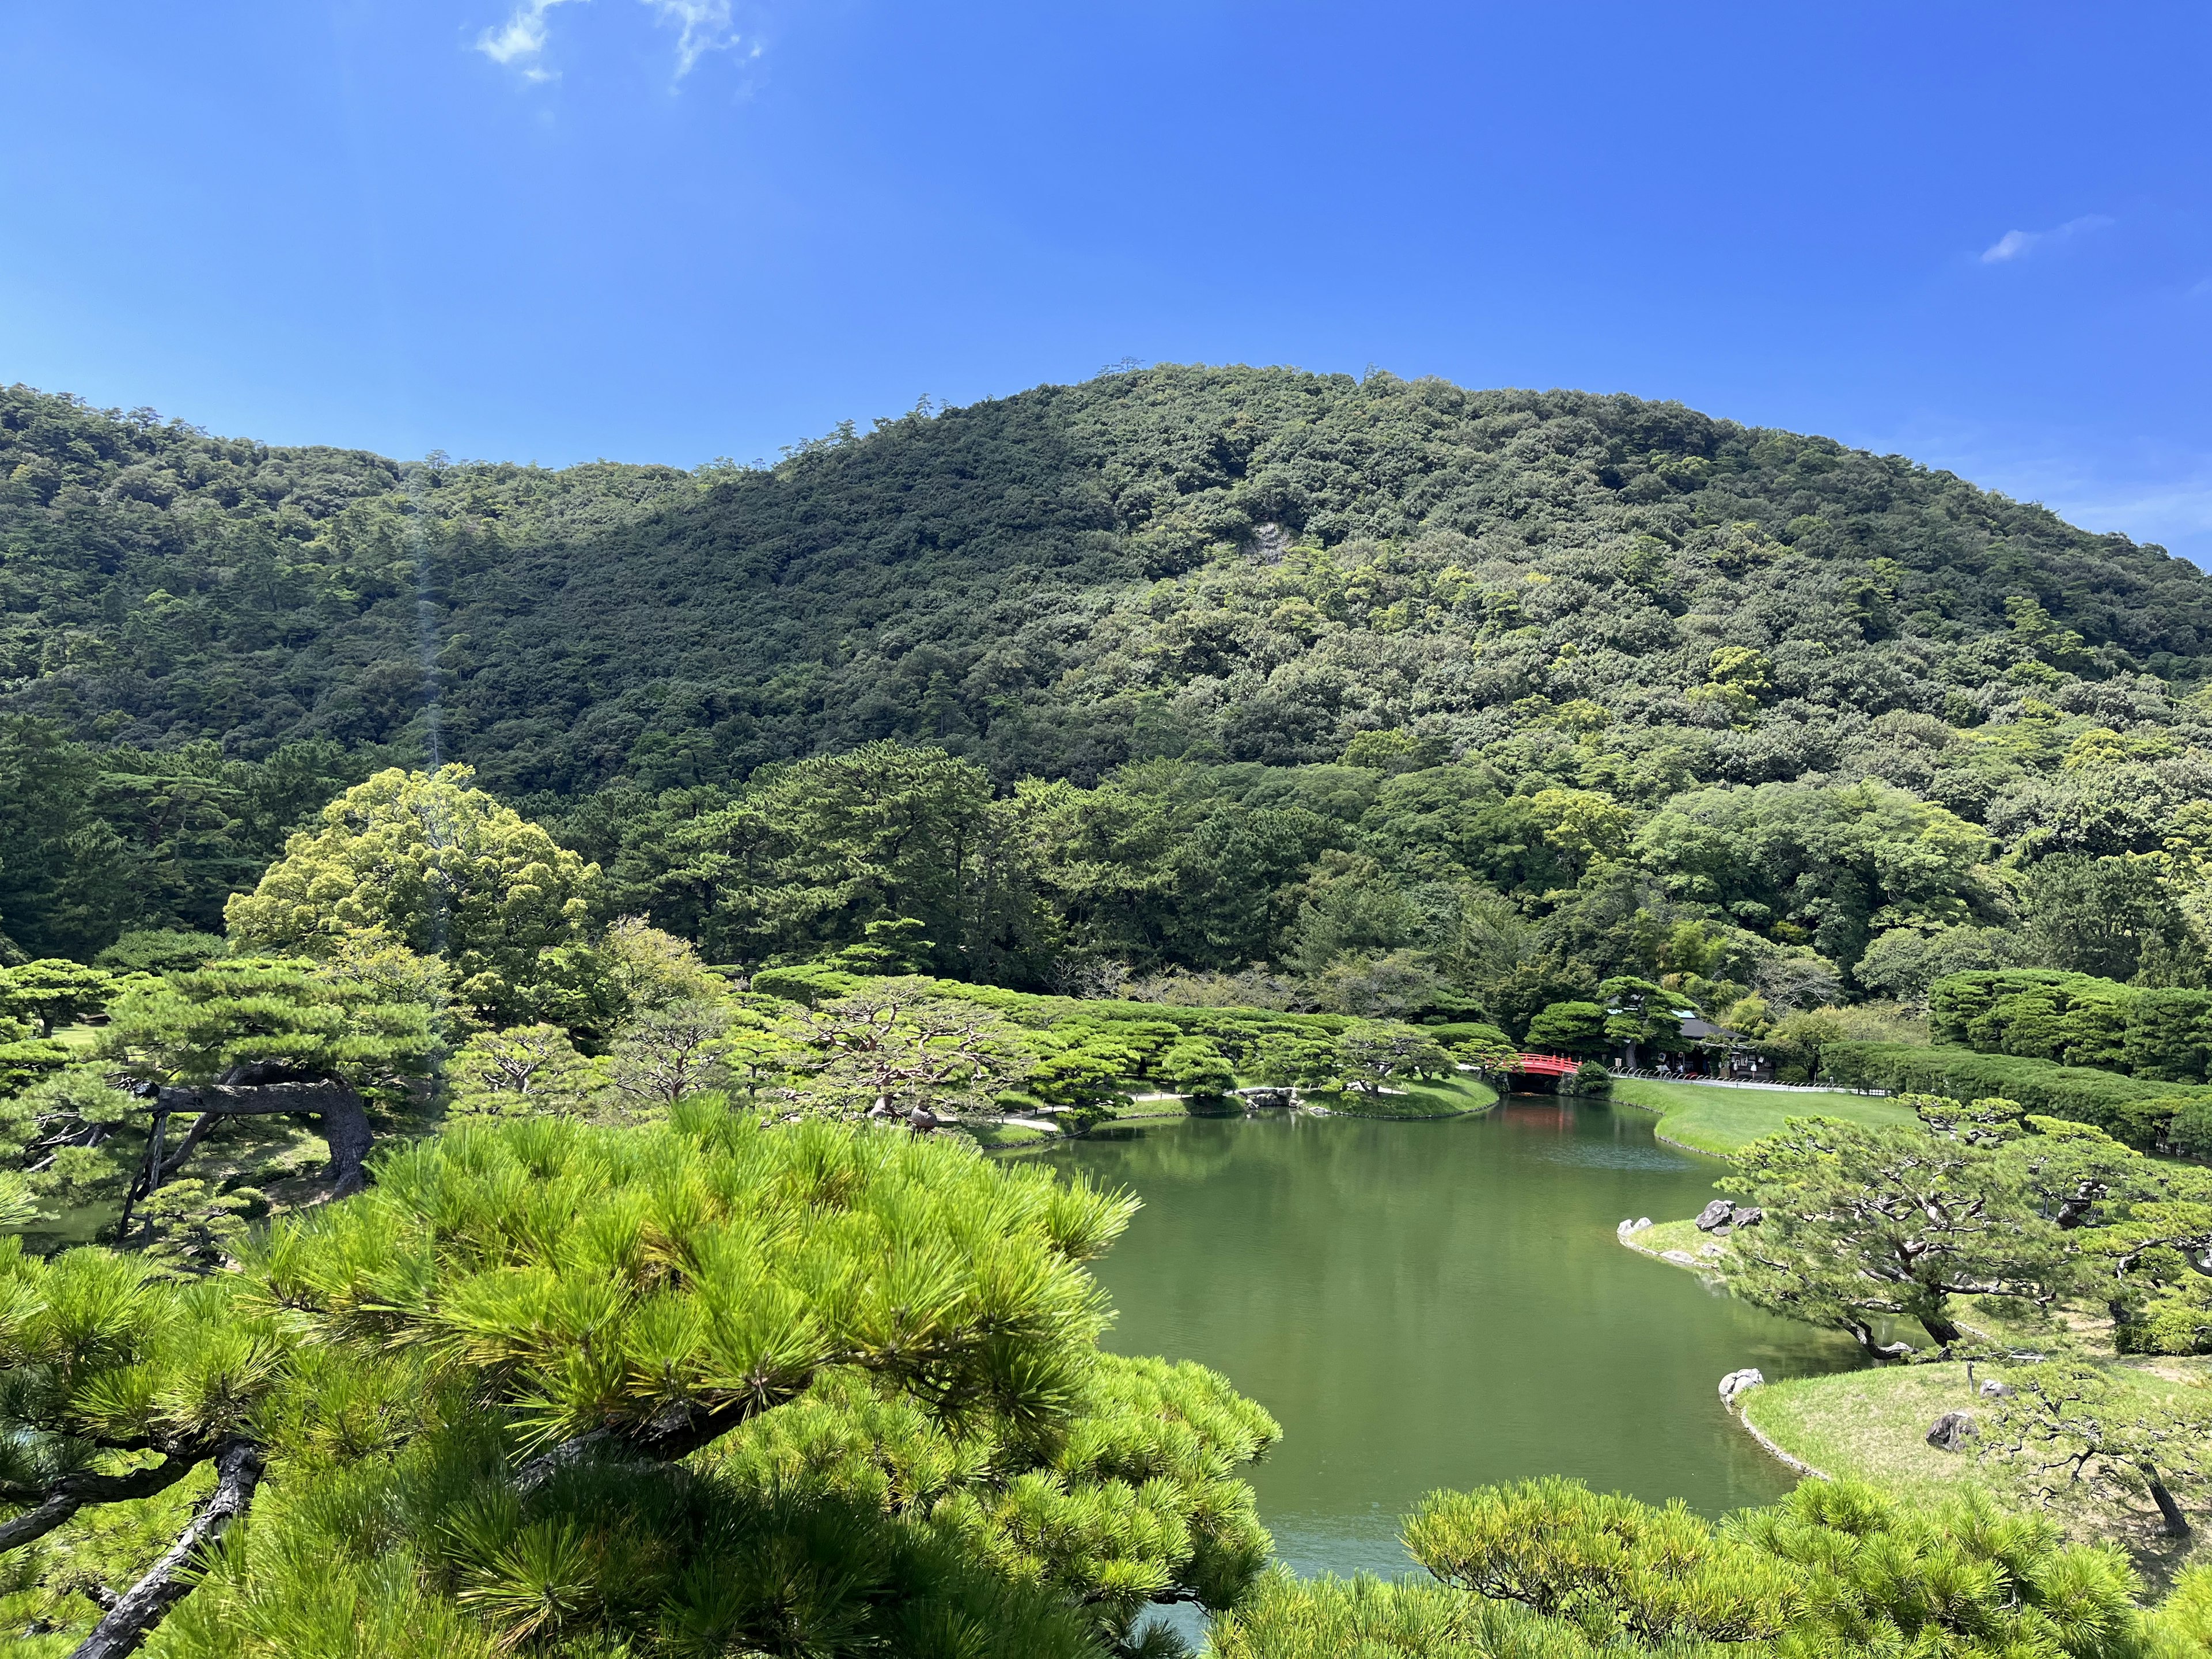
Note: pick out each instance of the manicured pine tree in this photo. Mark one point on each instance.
(707, 1386)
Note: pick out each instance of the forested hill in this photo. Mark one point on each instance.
(1419, 698)
(1227, 564)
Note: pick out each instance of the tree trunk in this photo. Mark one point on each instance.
(345, 1119)
(1940, 1329)
(2176, 1524)
(346, 1132)
(193, 1136)
(2074, 1212)
(168, 1581)
(148, 1171)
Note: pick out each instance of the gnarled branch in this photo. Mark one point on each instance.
(673, 1433)
(344, 1120)
(73, 1492)
(127, 1624)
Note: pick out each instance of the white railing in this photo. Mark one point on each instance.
(1743, 1083)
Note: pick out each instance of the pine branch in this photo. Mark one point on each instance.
(126, 1625)
(670, 1435)
(72, 1493)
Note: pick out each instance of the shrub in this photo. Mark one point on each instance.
(1452, 1033)
(804, 985)
(2160, 1035)
(162, 951)
(2190, 1133)
(2121, 1106)
(1576, 1027)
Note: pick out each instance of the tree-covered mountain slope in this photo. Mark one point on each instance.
(1235, 564)
(1419, 698)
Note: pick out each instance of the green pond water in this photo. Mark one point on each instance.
(1426, 1304)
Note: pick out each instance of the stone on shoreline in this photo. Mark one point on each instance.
(1952, 1430)
(1736, 1381)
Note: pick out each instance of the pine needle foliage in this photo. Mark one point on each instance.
(1868, 1225)
(272, 1011)
(1370, 1619)
(593, 1280)
(1606, 1564)
(1138, 1501)
(700, 1389)
(100, 1354)
(1549, 1570)
(117, 1388)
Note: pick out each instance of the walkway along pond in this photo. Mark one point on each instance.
(1442, 1304)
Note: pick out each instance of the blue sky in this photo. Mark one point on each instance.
(673, 229)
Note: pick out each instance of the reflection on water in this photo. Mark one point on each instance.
(1598, 1156)
(1432, 1305)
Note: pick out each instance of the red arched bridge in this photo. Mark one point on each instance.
(1544, 1065)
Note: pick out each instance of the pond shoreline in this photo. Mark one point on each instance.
(1767, 1441)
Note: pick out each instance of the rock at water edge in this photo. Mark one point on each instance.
(1736, 1381)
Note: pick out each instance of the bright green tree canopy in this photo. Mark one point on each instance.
(435, 865)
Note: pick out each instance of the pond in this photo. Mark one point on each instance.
(1440, 1303)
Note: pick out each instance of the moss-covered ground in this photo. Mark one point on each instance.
(1154, 1106)
(996, 1136)
(1671, 1240)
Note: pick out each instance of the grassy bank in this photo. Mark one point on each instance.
(1165, 1106)
(1707, 1118)
(1671, 1240)
(1443, 1097)
(1873, 1425)
(997, 1137)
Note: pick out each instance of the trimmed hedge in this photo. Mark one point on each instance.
(1233, 1030)
(2076, 1019)
(24, 1062)
(1465, 1030)
(2140, 1111)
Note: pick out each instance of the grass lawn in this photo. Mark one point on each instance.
(1681, 1238)
(1872, 1424)
(1708, 1118)
(1443, 1097)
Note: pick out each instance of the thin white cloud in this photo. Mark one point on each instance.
(2151, 490)
(704, 26)
(519, 42)
(701, 27)
(2174, 507)
(2018, 244)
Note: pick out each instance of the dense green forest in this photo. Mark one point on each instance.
(1232, 564)
(1376, 697)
